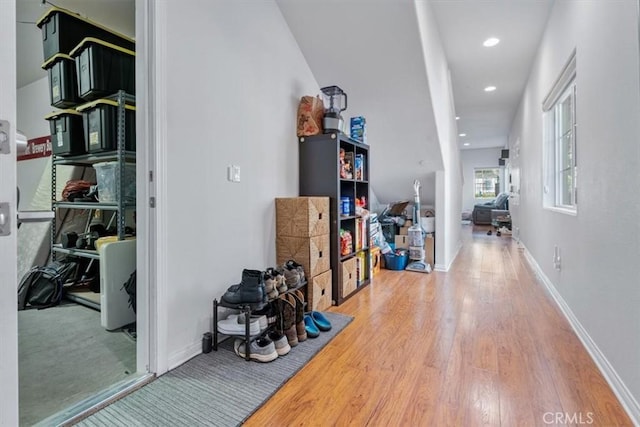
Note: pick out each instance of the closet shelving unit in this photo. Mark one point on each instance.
(122, 156)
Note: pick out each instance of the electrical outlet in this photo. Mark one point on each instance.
(233, 173)
(556, 258)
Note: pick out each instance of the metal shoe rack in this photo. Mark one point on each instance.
(121, 155)
(245, 310)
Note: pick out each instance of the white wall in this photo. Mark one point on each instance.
(234, 76)
(34, 175)
(33, 105)
(600, 247)
(471, 160)
(448, 183)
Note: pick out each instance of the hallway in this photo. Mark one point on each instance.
(480, 345)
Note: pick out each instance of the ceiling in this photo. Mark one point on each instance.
(372, 50)
(464, 25)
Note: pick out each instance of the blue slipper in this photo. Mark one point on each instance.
(310, 327)
(321, 322)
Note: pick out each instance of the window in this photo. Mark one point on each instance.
(560, 148)
(487, 183)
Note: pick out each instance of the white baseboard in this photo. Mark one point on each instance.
(178, 358)
(615, 382)
(447, 267)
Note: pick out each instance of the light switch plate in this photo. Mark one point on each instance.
(233, 173)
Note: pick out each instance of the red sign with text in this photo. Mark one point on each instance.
(36, 148)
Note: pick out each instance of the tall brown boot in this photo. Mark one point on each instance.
(298, 298)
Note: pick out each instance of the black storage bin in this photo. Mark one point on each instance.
(67, 133)
(62, 30)
(100, 119)
(103, 69)
(63, 91)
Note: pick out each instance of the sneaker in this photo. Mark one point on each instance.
(281, 286)
(262, 320)
(269, 283)
(280, 342)
(262, 349)
(269, 311)
(232, 326)
(292, 265)
(291, 278)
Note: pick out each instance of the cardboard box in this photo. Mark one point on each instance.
(358, 129)
(376, 260)
(349, 277)
(362, 268)
(312, 252)
(402, 241)
(430, 249)
(404, 230)
(302, 216)
(319, 292)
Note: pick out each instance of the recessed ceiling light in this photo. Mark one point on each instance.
(462, 134)
(490, 42)
(466, 144)
(489, 88)
(457, 117)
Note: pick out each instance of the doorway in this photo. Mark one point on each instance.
(69, 361)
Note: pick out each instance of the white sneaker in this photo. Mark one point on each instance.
(262, 320)
(232, 326)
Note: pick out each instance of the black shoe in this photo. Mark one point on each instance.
(250, 290)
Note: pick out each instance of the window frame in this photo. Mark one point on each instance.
(495, 170)
(555, 142)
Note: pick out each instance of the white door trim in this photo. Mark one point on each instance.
(152, 128)
(8, 244)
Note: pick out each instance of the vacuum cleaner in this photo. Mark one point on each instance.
(416, 237)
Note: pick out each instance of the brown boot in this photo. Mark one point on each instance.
(298, 298)
(286, 319)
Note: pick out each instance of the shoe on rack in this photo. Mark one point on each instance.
(292, 265)
(312, 329)
(280, 342)
(291, 278)
(321, 321)
(250, 290)
(261, 318)
(269, 311)
(232, 326)
(269, 282)
(285, 319)
(262, 349)
(298, 298)
(281, 286)
(292, 336)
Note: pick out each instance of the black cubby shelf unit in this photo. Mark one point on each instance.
(320, 175)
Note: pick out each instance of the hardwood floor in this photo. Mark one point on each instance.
(480, 345)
